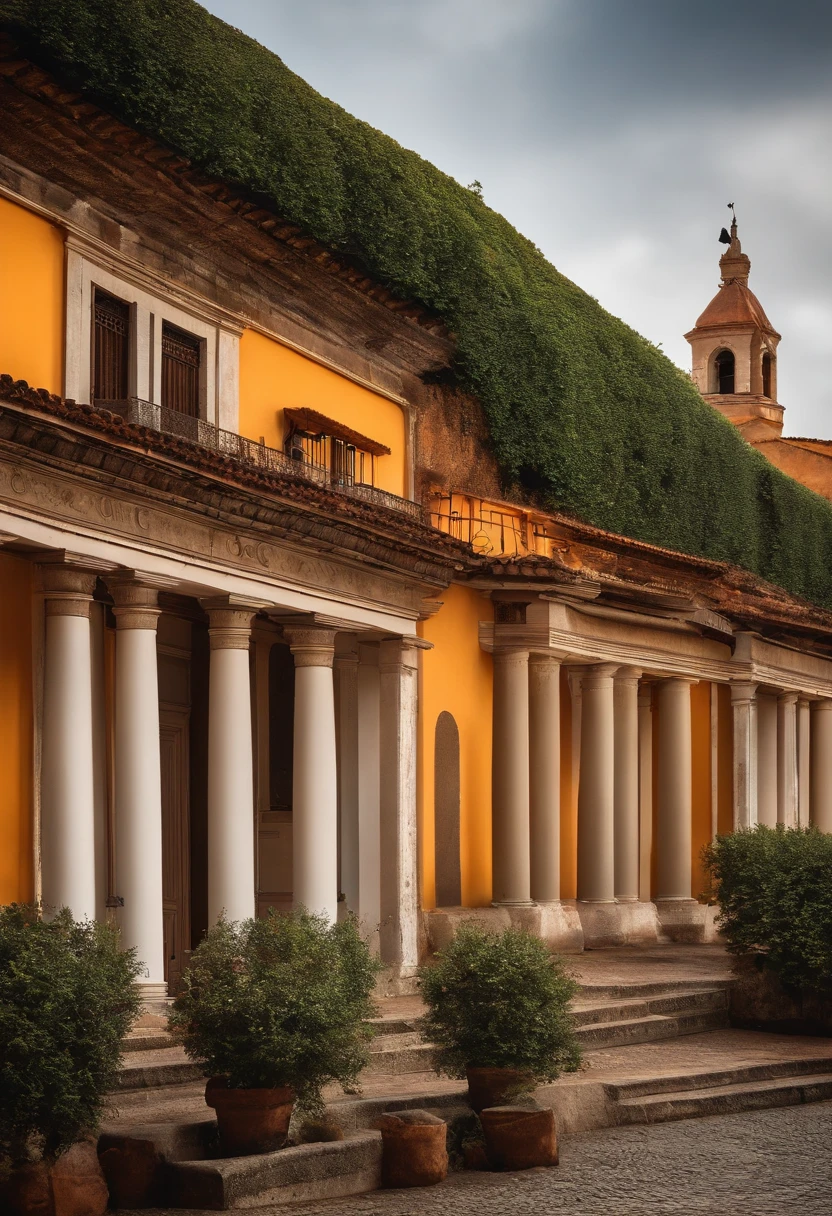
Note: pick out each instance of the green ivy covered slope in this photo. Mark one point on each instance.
(581, 409)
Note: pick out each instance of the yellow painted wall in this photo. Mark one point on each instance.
(273, 377)
(725, 761)
(31, 298)
(16, 730)
(456, 676)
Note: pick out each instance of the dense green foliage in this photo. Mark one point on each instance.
(582, 411)
(281, 1001)
(67, 998)
(499, 1000)
(774, 888)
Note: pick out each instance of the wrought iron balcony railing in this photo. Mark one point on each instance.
(251, 453)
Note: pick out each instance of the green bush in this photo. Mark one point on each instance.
(67, 999)
(774, 889)
(583, 412)
(281, 1001)
(500, 1001)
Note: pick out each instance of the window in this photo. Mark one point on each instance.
(111, 347)
(342, 455)
(180, 371)
(724, 372)
(767, 361)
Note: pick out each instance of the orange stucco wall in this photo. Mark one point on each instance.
(725, 761)
(31, 298)
(16, 730)
(456, 676)
(273, 377)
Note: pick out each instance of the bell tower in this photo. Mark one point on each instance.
(734, 348)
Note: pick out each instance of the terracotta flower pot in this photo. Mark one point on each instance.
(518, 1138)
(250, 1120)
(133, 1169)
(496, 1086)
(73, 1186)
(414, 1149)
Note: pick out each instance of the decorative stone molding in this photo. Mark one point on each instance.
(311, 646)
(136, 604)
(67, 590)
(229, 624)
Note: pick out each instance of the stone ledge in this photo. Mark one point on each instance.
(618, 924)
(686, 920)
(557, 924)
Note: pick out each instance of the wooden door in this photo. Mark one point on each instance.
(176, 896)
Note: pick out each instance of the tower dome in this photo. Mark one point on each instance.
(734, 348)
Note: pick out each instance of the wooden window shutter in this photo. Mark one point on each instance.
(180, 371)
(111, 347)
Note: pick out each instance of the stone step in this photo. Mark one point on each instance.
(623, 991)
(649, 1029)
(585, 1013)
(151, 1070)
(724, 1099)
(714, 1078)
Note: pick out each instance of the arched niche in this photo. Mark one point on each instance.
(768, 375)
(446, 812)
(724, 372)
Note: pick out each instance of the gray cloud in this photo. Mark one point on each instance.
(612, 133)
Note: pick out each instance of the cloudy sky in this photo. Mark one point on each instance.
(613, 133)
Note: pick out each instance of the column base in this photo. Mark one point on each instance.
(686, 920)
(618, 924)
(555, 923)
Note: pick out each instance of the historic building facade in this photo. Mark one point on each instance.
(271, 636)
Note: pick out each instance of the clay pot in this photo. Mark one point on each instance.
(414, 1149)
(496, 1086)
(133, 1169)
(73, 1186)
(518, 1138)
(250, 1120)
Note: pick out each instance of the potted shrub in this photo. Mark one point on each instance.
(274, 1009)
(67, 999)
(497, 1010)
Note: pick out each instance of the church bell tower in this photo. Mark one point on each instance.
(734, 348)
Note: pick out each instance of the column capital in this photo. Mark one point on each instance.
(821, 706)
(544, 659)
(504, 654)
(743, 692)
(787, 698)
(677, 681)
(67, 589)
(229, 624)
(628, 675)
(594, 675)
(312, 646)
(135, 603)
(396, 653)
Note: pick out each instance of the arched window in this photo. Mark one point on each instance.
(446, 812)
(724, 364)
(767, 362)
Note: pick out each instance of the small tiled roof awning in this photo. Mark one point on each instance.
(318, 424)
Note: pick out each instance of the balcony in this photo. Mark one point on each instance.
(250, 453)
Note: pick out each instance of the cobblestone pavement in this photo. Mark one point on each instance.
(762, 1163)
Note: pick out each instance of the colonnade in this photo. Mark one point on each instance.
(67, 795)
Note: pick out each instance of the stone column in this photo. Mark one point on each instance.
(544, 777)
(804, 718)
(787, 758)
(346, 718)
(626, 779)
(67, 790)
(645, 792)
(821, 765)
(314, 774)
(230, 763)
(767, 759)
(399, 895)
(511, 867)
(744, 709)
(674, 792)
(596, 791)
(138, 779)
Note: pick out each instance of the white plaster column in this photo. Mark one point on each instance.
(787, 758)
(399, 896)
(346, 721)
(674, 791)
(138, 779)
(230, 763)
(767, 750)
(544, 777)
(596, 791)
(626, 779)
(744, 710)
(314, 774)
(369, 792)
(67, 785)
(511, 865)
(804, 764)
(645, 792)
(821, 765)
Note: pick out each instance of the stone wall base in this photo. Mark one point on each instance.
(618, 924)
(686, 920)
(557, 924)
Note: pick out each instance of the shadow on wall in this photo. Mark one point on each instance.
(446, 810)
